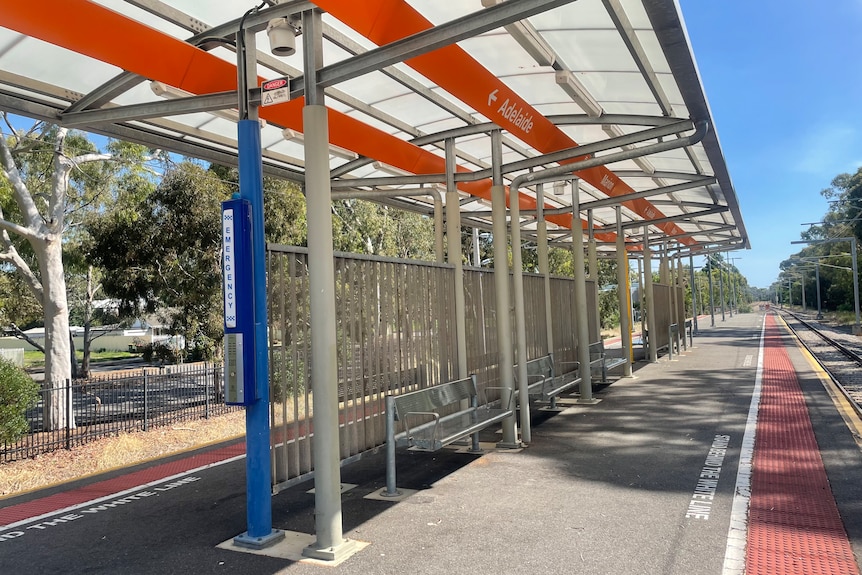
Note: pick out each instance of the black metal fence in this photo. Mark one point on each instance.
(107, 404)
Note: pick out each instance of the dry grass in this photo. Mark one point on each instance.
(109, 453)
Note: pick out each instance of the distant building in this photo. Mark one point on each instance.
(140, 333)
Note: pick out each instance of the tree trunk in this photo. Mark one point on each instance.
(58, 363)
(73, 359)
(84, 372)
(88, 321)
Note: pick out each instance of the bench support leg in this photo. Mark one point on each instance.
(475, 443)
(391, 490)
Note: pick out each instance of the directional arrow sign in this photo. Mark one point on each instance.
(492, 97)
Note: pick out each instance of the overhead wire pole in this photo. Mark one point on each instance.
(721, 290)
(857, 328)
(735, 294)
(730, 284)
(817, 278)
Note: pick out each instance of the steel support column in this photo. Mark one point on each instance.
(581, 310)
(623, 294)
(520, 316)
(593, 267)
(453, 237)
(544, 263)
(330, 544)
(439, 244)
(501, 287)
(652, 347)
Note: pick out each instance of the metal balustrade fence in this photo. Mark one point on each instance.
(107, 404)
(395, 329)
(396, 332)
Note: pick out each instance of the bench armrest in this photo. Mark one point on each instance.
(511, 401)
(432, 414)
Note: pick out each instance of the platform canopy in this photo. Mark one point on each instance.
(609, 86)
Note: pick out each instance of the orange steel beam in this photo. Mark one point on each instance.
(103, 34)
(385, 21)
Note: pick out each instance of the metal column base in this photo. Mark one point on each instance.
(507, 445)
(244, 540)
(591, 401)
(337, 553)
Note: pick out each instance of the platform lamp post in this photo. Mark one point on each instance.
(721, 289)
(730, 284)
(694, 294)
(817, 283)
(711, 297)
(857, 328)
(789, 293)
(792, 276)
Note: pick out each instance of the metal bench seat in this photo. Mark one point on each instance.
(597, 351)
(544, 383)
(435, 417)
(442, 431)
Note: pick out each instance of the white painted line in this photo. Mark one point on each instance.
(119, 494)
(737, 533)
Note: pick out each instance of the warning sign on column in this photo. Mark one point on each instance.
(275, 91)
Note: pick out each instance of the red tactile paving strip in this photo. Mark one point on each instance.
(108, 487)
(794, 525)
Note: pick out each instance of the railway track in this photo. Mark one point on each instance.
(838, 351)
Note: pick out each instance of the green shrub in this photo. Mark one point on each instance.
(160, 352)
(18, 392)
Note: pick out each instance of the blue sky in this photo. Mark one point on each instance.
(784, 81)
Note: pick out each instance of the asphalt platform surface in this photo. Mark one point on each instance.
(601, 489)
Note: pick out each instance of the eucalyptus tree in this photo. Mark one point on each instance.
(50, 177)
(160, 251)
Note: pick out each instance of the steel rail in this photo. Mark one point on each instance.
(857, 408)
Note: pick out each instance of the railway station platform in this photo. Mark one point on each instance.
(663, 476)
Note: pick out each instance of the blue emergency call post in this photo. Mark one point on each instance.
(237, 276)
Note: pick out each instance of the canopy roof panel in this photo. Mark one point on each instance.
(604, 79)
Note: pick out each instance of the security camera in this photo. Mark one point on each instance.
(282, 37)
